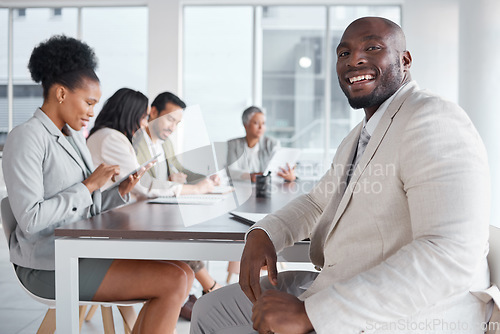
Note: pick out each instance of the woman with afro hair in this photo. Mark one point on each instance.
(51, 182)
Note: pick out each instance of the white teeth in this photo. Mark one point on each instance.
(361, 77)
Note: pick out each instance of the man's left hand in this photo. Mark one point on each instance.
(280, 312)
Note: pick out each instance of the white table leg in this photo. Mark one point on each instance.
(66, 288)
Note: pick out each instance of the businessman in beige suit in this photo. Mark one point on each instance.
(399, 231)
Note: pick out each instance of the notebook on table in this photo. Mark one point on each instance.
(248, 218)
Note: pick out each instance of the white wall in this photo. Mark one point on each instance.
(432, 34)
(479, 84)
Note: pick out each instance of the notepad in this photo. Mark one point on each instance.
(206, 199)
(249, 218)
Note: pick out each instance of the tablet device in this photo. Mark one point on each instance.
(281, 157)
(134, 171)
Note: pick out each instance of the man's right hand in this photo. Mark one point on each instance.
(178, 177)
(204, 186)
(100, 176)
(259, 251)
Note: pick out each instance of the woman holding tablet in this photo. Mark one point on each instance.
(248, 156)
(51, 181)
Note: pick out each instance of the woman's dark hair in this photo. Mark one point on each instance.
(63, 60)
(123, 112)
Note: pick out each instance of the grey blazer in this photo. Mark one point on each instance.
(43, 174)
(236, 148)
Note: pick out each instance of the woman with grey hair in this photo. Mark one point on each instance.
(248, 156)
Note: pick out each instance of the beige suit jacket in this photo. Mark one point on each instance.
(406, 240)
(143, 154)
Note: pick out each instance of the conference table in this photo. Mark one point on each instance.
(143, 230)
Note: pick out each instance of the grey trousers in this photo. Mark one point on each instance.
(229, 311)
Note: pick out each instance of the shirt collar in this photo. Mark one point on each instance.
(47, 122)
(377, 116)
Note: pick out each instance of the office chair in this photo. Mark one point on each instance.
(48, 324)
(493, 293)
(494, 255)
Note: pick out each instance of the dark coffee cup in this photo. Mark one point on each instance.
(263, 185)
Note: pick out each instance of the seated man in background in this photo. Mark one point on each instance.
(165, 115)
(398, 225)
(248, 156)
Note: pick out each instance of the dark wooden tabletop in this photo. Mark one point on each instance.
(142, 220)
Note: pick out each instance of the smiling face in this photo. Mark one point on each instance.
(372, 63)
(163, 123)
(77, 105)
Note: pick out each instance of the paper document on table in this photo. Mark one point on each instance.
(222, 190)
(248, 217)
(188, 199)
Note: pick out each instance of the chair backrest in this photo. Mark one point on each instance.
(9, 224)
(494, 255)
(8, 220)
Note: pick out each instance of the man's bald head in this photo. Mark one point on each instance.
(392, 29)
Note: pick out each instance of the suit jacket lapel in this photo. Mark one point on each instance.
(85, 154)
(375, 141)
(341, 164)
(168, 148)
(53, 130)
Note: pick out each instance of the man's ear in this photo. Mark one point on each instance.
(153, 114)
(406, 59)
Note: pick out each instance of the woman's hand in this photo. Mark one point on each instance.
(100, 176)
(126, 186)
(288, 174)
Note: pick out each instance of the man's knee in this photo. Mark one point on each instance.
(220, 310)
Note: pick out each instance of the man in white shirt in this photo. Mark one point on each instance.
(398, 225)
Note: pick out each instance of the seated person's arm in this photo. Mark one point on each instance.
(23, 167)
